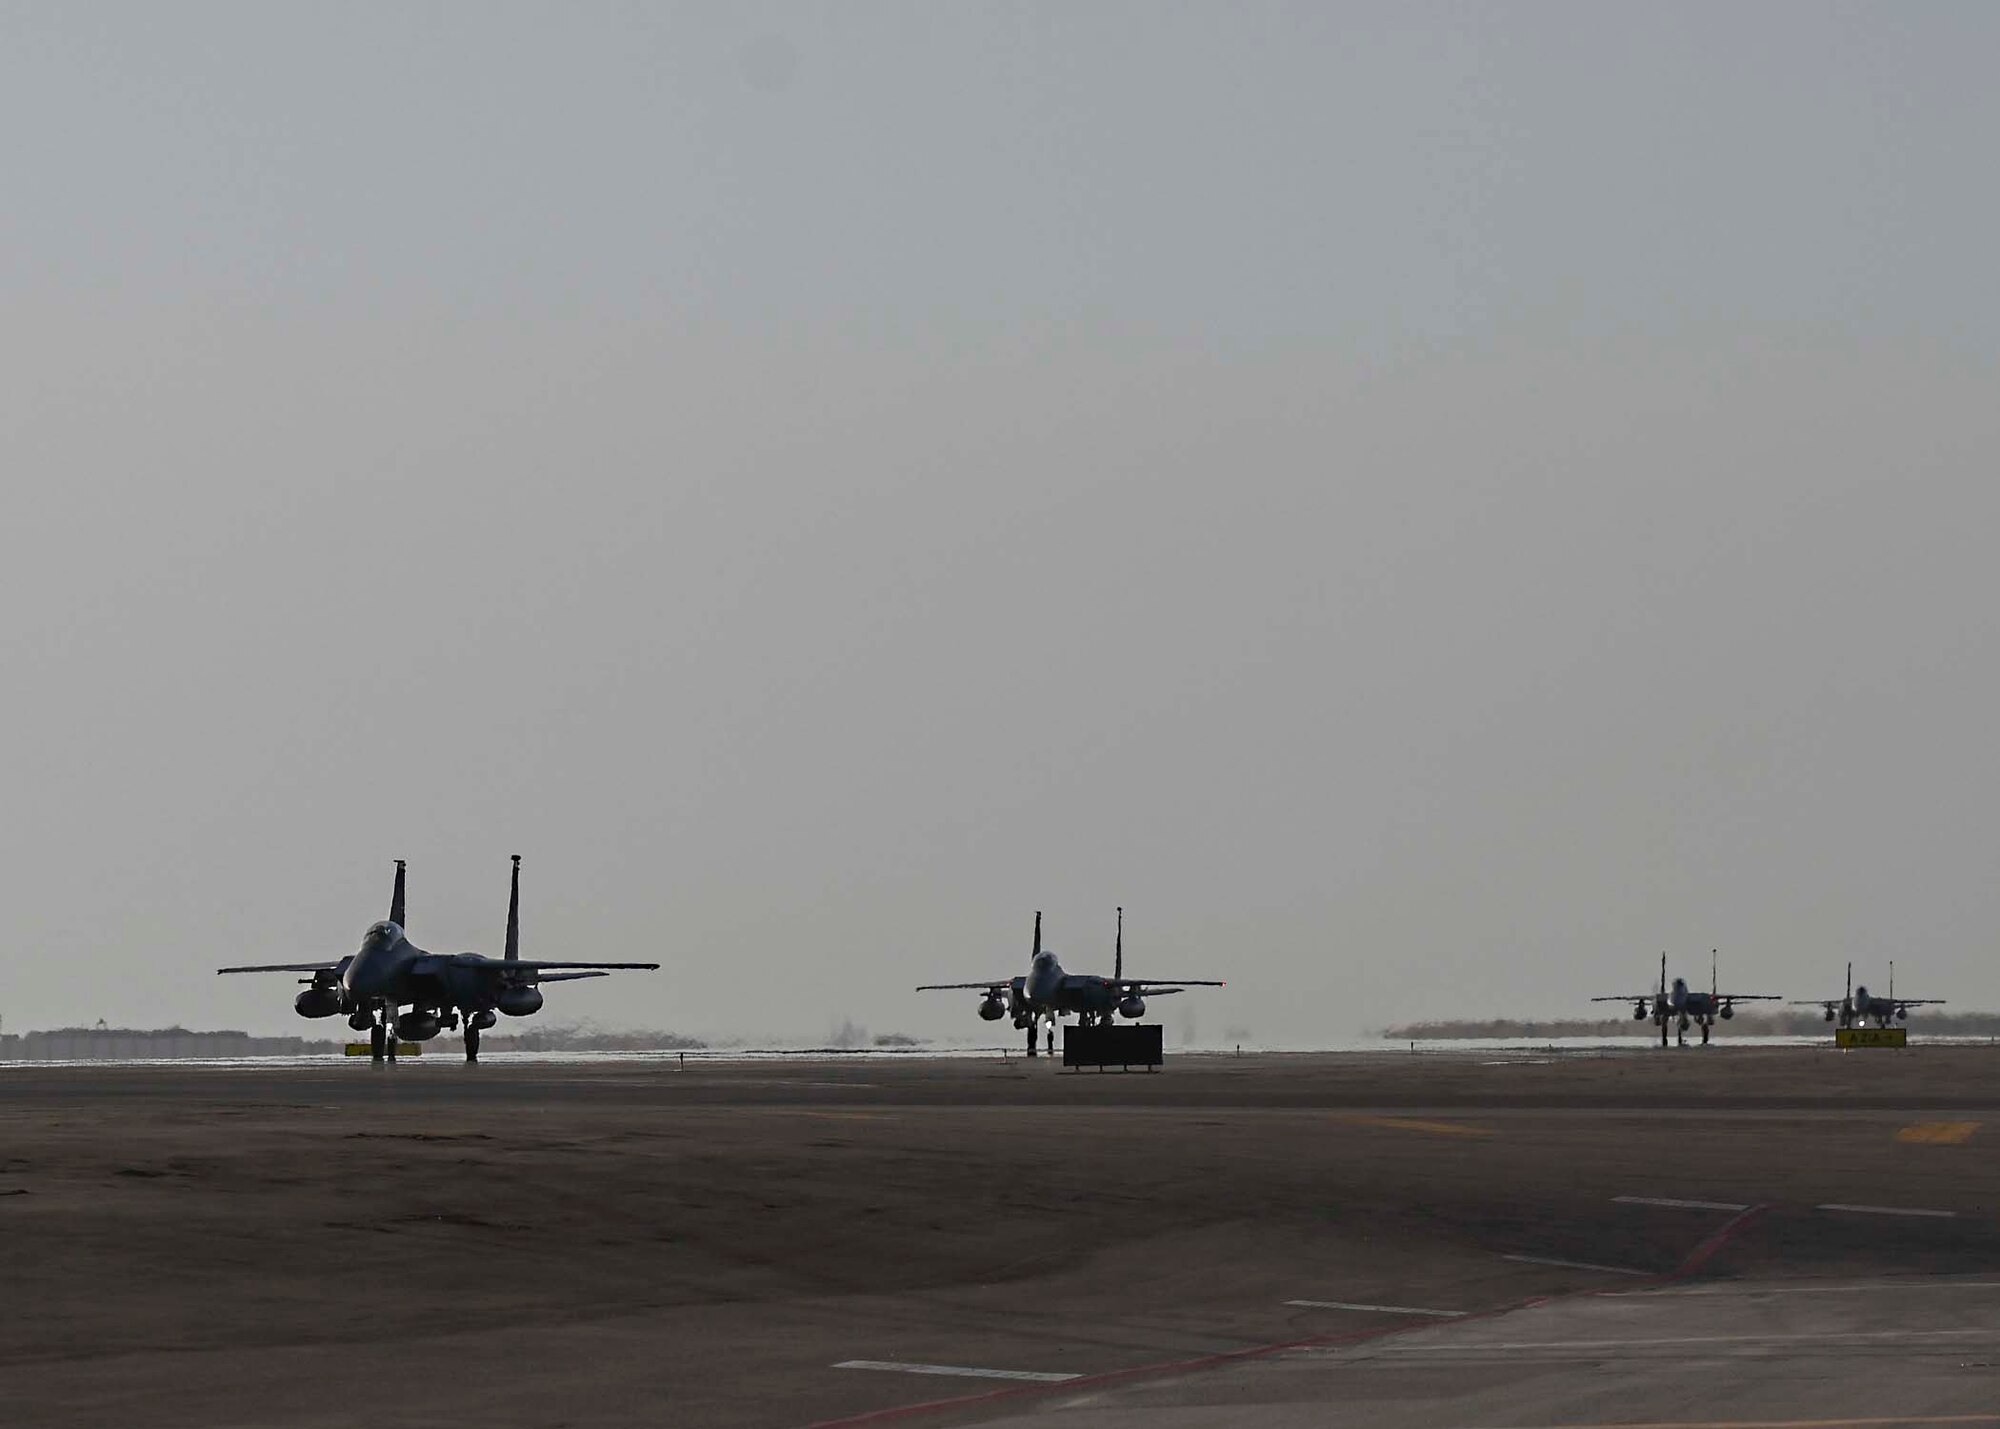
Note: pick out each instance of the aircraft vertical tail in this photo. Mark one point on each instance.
(396, 898)
(1038, 934)
(1118, 950)
(1663, 977)
(1714, 979)
(513, 952)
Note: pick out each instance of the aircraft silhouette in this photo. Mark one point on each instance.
(1858, 1005)
(1047, 992)
(441, 990)
(1681, 1006)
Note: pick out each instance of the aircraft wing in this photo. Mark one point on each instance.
(998, 984)
(571, 977)
(1646, 996)
(1914, 1001)
(536, 967)
(287, 967)
(524, 965)
(1152, 986)
(1748, 997)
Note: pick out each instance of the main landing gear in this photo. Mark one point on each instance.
(1681, 1029)
(1034, 1026)
(471, 1040)
(377, 1037)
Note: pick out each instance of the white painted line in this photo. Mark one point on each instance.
(1884, 1210)
(1680, 1205)
(959, 1371)
(1375, 1309)
(1877, 1287)
(1574, 1264)
(1476, 1347)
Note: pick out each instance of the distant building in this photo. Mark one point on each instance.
(119, 1044)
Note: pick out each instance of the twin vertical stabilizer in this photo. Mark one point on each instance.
(398, 910)
(513, 952)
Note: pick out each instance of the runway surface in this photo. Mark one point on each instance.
(1731, 1236)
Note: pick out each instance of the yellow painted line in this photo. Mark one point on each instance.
(1404, 1123)
(1938, 1133)
(845, 1115)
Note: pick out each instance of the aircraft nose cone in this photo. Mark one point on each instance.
(363, 976)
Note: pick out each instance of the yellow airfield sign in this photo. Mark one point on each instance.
(1871, 1037)
(403, 1049)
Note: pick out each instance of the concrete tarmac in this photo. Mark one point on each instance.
(1771, 1236)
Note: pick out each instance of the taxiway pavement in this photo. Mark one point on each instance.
(1731, 1236)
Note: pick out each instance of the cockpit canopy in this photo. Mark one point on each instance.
(383, 932)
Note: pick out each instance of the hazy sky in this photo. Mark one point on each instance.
(1426, 506)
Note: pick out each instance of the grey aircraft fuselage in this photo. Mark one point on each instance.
(1883, 1009)
(390, 970)
(1680, 1007)
(1860, 1006)
(1047, 992)
(389, 973)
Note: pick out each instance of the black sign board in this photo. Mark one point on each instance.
(1103, 1047)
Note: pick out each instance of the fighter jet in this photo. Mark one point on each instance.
(1047, 992)
(1681, 1006)
(1858, 1006)
(389, 973)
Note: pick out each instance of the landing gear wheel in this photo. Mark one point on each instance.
(376, 1041)
(1704, 1034)
(471, 1042)
(1051, 1045)
(1031, 1039)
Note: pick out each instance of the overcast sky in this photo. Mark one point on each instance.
(1426, 506)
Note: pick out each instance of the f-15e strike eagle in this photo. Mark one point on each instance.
(441, 990)
(1047, 992)
(1860, 1005)
(1680, 1006)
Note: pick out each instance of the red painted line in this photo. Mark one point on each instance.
(1710, 1248)
(1695, 1259)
